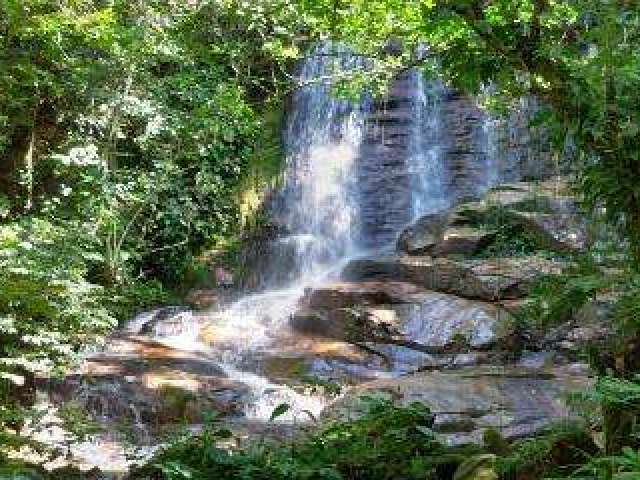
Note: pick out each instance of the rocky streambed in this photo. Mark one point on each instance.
(438, 320)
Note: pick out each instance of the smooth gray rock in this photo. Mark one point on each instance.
(402, 315)
(518, 402)
(483, 279)
(423, 235)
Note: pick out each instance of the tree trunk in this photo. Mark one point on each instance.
(28, 165)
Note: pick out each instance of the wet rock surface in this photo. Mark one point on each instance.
(337, 295)
(401, 314)
(518, 402)
(203, 299)
(484, 279)
(145, 382)
(423, 236)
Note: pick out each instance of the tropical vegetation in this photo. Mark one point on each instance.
(138, 138)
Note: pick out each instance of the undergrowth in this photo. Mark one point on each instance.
(554, 299)
(387, 442)
(556, 453)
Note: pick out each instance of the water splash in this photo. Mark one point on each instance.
(265, 396)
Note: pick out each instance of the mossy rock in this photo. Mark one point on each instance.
(286, 368)
(478, 467)
(175, 403)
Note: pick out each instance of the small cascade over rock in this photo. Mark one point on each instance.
(401, 172)
(429, 175)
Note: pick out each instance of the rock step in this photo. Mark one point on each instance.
(515, 401)
(543, 211)
(483, 279)
(401, 314)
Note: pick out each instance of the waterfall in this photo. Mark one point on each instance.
(402, 174)
(318, 206)
(426, 146)
(356, 174)
(317, 215)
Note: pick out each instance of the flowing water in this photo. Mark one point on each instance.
(428, 173)
(317, 211)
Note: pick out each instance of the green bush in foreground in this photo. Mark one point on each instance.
(387, 442)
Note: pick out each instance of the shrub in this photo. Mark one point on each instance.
(554, 453)
(387, 442)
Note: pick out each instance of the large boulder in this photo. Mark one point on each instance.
(443, 234)
(518, 402)
(422, 236)
(400, 314)
(483, 279)
(545, 211)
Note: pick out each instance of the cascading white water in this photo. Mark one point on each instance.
(318, 211)
(318, 206)
(426, 145)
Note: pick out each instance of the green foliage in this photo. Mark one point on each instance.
(618, 402)
(556, 298)
(12, 470)
(627, 310)
(78, 421)
(279, 411)
(555, 453)
(625, 466)
(48, 309)
(125, 301)
(386, 442)
(510, 241)
(510, 237)
(612, 392)
(127, 134)
(161, 146)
